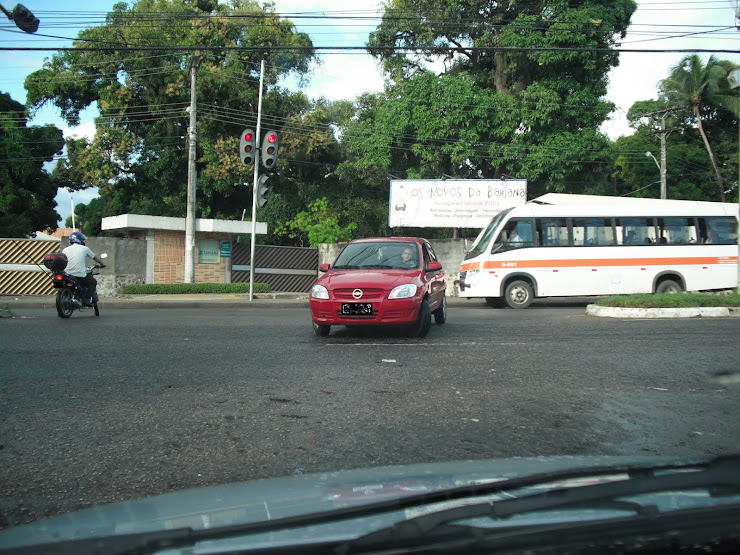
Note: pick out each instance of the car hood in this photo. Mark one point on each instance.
(382, 279)
(270, 499)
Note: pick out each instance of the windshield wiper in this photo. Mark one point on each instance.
(720, 477)
(377, 267)
(346, 267)
(714, 526)
(723, 472)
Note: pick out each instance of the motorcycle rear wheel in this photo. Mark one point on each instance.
(65, 308)
(95, 306)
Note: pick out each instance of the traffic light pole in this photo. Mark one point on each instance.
(255, 185)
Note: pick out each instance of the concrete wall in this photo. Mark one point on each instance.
(450, 253)
(126, 262)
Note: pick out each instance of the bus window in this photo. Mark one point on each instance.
(484, 237)
(676, 231)
(592, 231)
(516, 234)
(635, 231)
(718, 231)
(552, 232)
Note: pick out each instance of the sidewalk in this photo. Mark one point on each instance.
(300, 300)
(201, 300)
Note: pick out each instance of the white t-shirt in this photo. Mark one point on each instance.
(77, 259)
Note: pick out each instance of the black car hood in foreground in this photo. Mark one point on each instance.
(349, 504)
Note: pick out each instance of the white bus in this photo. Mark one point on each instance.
(551, 247)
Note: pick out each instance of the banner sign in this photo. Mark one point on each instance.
(452, 203)
(208, 251)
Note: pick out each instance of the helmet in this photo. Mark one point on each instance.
(77, 237)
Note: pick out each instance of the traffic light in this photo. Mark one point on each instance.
(262, 190)
(247, 147)
(269, 149)
(24, 19)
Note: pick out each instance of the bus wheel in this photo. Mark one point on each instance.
(668, 286)
(518, 294)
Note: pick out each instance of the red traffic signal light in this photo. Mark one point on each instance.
(270, 149)
(246, 148)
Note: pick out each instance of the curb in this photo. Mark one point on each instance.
(653, 313)
(300, 300)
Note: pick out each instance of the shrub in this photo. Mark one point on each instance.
(191, 288)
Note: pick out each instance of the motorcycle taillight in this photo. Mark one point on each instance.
(58, 277)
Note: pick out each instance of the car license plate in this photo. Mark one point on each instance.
(357, 308)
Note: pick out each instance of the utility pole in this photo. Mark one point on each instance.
(663, 164)
(192, 138)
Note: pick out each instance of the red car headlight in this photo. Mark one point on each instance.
(405, 291)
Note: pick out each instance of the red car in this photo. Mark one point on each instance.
(394, 281)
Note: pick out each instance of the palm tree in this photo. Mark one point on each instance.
(694, 85)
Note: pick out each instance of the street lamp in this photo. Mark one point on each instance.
(650, 155)
(663, 179)
(22, 17)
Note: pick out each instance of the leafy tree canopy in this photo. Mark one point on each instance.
(522, 92)
(26, 191)
(698, 114)
(703, 92)
(138, 157)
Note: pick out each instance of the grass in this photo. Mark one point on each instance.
(680, 300)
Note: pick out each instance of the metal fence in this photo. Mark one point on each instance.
(287, 269)
(21, 266)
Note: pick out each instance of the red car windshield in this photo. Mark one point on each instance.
(380, 255)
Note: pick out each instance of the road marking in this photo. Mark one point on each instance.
(407, 344)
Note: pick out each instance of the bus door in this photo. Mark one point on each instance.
(510, 253)
(550, 267)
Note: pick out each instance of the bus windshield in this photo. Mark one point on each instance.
(484, 238)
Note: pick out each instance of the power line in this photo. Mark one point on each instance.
(363, 49)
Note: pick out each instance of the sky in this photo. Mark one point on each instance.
(656, 25)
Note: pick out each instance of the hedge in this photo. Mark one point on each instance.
(666, 300)
(190, 288)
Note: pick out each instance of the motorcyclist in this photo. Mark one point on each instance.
(77, 255)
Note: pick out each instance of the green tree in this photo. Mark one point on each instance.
(138, 157)
(701, 89)
(522, 93)
(26, 190)
(319, 224)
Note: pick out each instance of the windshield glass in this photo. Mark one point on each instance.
(484, 237)
(378, 255)
(363, 253)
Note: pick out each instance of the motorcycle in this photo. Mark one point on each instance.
(71, 295)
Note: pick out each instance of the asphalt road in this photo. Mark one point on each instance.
(145, 401)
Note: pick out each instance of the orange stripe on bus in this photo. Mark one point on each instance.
(598, 262)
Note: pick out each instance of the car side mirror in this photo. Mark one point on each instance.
(324, 267)
(434, 266)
